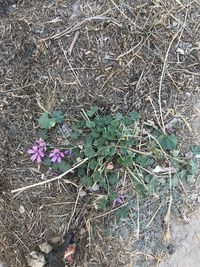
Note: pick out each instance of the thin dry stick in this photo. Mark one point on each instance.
(161, 81)
(132, 22)
(149, 223)
(76, 36)
(139, 152)
(168, 214)
(88, 226)
(21, 242)
(102, 215)
(40, 105)
(75, 75)
(77, 26)
(144, 169)
(154, 109)
(130, 50)
(52, 179)
(124, 180)
(64, 32)
(74, 210)
(138, 219)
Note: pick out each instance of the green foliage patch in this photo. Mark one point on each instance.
(118, 144)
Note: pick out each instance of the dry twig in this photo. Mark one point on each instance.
(52, 179)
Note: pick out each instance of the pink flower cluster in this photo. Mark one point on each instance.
(37, 152)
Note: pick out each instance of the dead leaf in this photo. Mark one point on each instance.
(110, 166)
(159, 169)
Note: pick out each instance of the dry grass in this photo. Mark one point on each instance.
(120, 55)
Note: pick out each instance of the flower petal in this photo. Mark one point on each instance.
(120, 201)
(52, 154)
(34, 157)
(68, 152)
(40, 153)
(39, 159)
(35, 148)
(58, 159)
(54, 159)
(62, 154)
(56, 150)
(114, 203)
(30, 151)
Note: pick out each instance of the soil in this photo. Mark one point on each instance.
(68, 55)
(186, 232)
(186, 239)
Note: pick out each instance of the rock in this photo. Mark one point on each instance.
(3, 264)
(36, 259)
(45, 247)
(22, 209)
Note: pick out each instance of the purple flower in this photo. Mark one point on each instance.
(41, 144)
(56, 155)
(37, 153)
(37, 150)
(68, 153)
(119, 200)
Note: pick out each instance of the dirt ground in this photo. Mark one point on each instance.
(187, 243)
(186, 231)
(67, 55)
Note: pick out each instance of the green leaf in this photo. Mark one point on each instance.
(102, 204)
(58, 116)
(81, 171)
(92, 111)
(112, 196)
(103, 184)
(122, 213)
(177, 177)
(90, 124)
(129, 142)
(126, 161)
(127, 121)
(114, 124)
(134, 116)
(175, 153)
(75, 135)
(92, 164)
(43, 134)
(88, 140)
(152, 183)
(64, 166)
(105, 151)
(168, 142)
(118, 116)
(89, 152)
(143, 161)
(86, 181)
(113, 179)
(80, 124)
(47, 162)
(96, 176)
(45, 122)
(195, 150)
(113, 151)
(156, 133)
(55, 166)
(194, 167)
